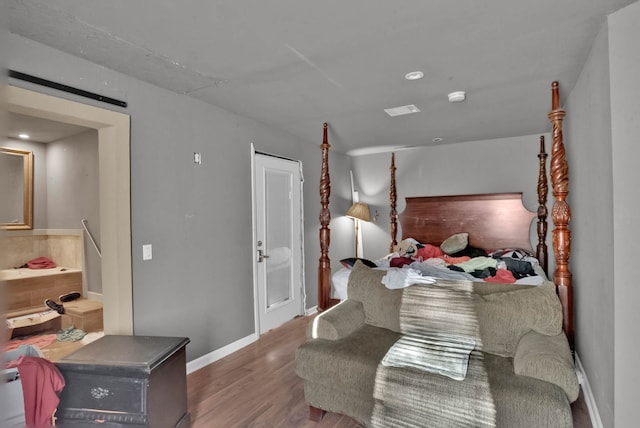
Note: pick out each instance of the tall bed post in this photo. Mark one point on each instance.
(543, 190)
(393, 215)
(561, 215)
(324, 264)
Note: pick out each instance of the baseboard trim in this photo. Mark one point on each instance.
(589, 399)
(214, 356)
(92, 295)
(311, 311)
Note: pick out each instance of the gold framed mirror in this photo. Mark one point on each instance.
(16, 189)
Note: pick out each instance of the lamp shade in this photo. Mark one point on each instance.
(359, 211)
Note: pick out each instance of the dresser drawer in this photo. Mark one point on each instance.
(98, 392)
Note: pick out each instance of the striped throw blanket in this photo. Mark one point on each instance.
(434, 375)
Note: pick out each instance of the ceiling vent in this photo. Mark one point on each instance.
(457, 96)
(399, 111)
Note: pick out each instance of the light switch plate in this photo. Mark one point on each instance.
(147, 252)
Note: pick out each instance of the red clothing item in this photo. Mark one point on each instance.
(41, 382)
(428, 251)
(503, 276)
(454, 260)
(41, 263)
(400, 261)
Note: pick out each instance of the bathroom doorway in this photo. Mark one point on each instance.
(114, 186)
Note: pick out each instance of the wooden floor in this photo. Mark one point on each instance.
(257, 387)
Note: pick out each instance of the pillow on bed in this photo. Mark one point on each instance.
(348, 263)
(470, 251)
(455, 243)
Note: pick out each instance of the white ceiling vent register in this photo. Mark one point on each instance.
(456, 97)
(399, 111)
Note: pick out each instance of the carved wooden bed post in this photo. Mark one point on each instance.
(561, 215)
(324, 265)
(543, 189)
(393, 215)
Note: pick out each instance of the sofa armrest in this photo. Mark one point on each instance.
(338, 322)
(547, 358)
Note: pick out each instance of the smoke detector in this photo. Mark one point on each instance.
(414, 75)
(457, 96)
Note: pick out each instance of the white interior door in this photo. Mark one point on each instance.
(278, 245)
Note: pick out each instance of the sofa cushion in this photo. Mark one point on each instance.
(339, 321)
(525, 402)
(347, 364)
(381, 305)
(547, 358)
(505, 317)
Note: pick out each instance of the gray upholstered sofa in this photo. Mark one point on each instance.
(527, 357)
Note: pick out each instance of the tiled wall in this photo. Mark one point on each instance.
(64, 249)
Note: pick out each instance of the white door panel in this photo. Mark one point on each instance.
(278, 240)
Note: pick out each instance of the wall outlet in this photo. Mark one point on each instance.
(147, 253)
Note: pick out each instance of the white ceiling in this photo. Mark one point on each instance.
(294, 64)
(40, 130)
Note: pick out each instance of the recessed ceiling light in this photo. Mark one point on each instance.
(414, 75)
(402, 110)
(24, 136)
(437, 140)
(457, 96)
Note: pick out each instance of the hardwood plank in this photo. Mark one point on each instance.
(257, 387)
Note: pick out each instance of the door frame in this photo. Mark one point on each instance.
(254, 238)
(115, 200)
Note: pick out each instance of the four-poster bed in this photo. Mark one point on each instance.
(429, 219)
(442, 347)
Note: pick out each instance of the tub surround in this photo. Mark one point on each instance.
(26, 289)
(63, 246)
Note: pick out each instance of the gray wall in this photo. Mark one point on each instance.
(601, 135)
(197, 217)
(624, 57)
(587, 131)
(73, 194)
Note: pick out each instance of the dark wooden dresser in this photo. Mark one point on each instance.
(126, 381)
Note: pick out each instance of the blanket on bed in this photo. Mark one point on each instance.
(434, 374)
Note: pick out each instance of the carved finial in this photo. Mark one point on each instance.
(555, 96)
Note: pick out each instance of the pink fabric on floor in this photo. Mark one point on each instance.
(39, 341)
(41, 383)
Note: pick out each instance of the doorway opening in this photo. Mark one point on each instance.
(113, 129)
